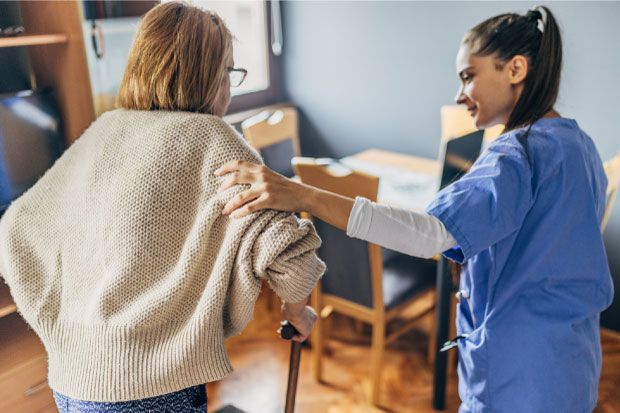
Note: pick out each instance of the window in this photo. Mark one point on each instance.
(246, 20)
(249, 22)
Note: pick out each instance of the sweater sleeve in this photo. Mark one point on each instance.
(279, 248)
(275, 246)
(284, 254)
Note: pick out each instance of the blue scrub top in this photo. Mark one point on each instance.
(527, 222)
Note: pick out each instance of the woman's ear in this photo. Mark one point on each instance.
(517, 69)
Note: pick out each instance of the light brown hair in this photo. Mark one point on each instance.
(177, 60)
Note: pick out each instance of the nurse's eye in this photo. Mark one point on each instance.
(466, 78)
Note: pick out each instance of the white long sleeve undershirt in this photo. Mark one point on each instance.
(410, 232)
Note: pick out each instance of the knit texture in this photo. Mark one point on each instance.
(121, 261)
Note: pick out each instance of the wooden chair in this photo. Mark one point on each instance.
(456, 121)
(275, 135)
(358, 283)
(612, 170)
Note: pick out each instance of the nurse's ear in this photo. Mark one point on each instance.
(517, 68)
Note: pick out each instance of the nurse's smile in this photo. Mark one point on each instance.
(489, 88)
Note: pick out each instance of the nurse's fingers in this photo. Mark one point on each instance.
(237, 177)
(255, 205)
(237, 165)
(240, 200)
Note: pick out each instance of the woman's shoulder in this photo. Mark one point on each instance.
(557, 139)
(179, 118)
(215, 134)
(206, 124)
(201, 126)
(550, 144)
(188, 132)
(509, 145)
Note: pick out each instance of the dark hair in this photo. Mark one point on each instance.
(535, 36)
(511, 34)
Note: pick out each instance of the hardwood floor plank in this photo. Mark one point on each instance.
(260, 359)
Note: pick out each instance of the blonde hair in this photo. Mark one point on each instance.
(177, 61)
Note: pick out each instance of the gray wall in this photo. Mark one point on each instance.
(374, 74)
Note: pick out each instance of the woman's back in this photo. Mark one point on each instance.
(122, 262)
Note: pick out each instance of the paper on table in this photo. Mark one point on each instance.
(398, 186)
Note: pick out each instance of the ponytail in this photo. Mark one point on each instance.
(535, 36)
(542, 83)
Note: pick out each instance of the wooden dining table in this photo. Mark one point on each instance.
(444, 285)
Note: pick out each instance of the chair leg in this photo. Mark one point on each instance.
(317, 350)
(317, 340)
(358, 325)
(270, 301)
(377, 350)
(432, 336)
(452, 354)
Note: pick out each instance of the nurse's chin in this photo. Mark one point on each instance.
(483, 123)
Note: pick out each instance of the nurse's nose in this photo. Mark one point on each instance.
(460, 97)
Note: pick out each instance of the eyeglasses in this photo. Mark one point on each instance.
(237, 76)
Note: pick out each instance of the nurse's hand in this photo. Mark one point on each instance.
(268, 189)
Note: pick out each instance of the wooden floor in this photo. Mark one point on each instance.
(260, 359)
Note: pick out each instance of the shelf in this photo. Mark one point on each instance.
(18, 344)
(7, 306)
(33, 40)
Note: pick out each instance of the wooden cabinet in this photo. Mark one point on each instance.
(23, 368)
(56, 49)
(60, 63)
(23, 363)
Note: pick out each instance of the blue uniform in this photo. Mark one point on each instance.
(527, 222)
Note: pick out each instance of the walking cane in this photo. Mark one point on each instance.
(287, 331)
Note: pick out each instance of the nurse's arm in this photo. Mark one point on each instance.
(410, 232)
(270, 190)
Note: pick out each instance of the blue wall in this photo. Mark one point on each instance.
(374, 74)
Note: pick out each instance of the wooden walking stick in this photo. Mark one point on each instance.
(287, 331)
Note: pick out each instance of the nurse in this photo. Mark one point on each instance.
(524, 224)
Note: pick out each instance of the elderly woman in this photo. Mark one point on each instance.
(120, 258)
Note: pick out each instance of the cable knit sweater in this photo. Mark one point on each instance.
(121, 261)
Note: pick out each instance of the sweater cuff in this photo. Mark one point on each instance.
(285, 254)
(294, 288)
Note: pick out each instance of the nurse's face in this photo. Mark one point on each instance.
(489, 89)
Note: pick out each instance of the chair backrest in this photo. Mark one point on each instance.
(612, 170)
(456, 121)
(275, 134)
(354, 267)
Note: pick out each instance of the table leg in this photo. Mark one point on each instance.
(444, 289)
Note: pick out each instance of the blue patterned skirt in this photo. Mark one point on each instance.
(192, 399)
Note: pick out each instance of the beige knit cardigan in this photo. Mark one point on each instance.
(120, 259)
